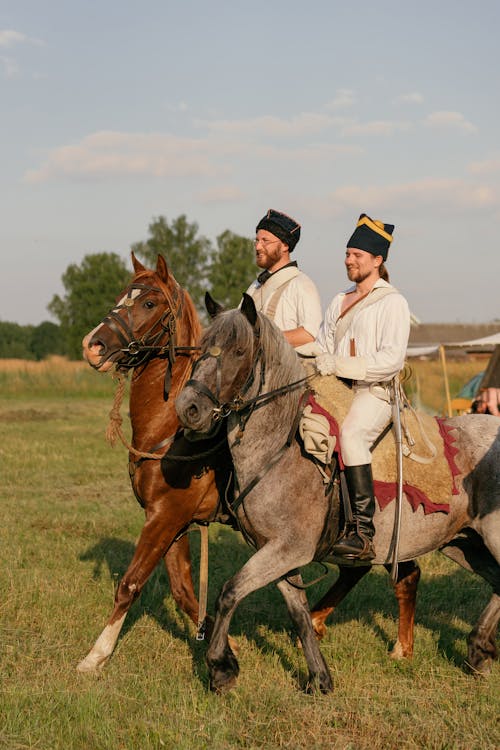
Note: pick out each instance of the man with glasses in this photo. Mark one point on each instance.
(281, 291)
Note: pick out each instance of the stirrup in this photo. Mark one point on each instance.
(364, 553)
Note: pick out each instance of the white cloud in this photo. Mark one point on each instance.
(375, 127)
(9, 38)
(449, 120)
(10, 66)
(344, 98)
(221, 194)
(488, 166)
(110, 154)
(306, 123)
(430, 194)
(412, 98)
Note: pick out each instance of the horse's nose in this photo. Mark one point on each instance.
(191, 413)
(187, 411)
(98, 344)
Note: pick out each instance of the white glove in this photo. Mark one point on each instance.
(311, 349)
(325, 364)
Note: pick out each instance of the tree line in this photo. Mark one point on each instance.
(91, 287)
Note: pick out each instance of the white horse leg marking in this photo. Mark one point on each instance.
(102, 648)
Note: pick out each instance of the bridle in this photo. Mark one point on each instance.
(159, 340)
(244, 406)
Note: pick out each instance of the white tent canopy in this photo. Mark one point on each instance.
(486, 342)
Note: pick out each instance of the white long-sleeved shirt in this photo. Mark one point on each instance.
(299, 304)
(380, 332)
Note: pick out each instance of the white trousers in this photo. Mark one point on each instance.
(369, 414)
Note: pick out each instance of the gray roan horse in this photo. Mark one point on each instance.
(248, 373)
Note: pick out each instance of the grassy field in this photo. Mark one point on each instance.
(69, 521)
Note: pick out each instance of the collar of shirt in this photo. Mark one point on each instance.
(266, 274)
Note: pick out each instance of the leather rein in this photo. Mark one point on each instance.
(239, 404)
(245, 407)
(139, 351)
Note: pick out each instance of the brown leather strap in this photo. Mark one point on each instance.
(203, 587)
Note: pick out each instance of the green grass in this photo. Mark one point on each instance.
(69, 521)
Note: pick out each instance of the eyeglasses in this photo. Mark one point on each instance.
(260, 241)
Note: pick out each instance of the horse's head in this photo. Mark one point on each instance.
(225, 371)
(143, 324)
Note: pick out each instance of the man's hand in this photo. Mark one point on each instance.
(325, 364)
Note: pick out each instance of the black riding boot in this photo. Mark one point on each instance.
(356, 543)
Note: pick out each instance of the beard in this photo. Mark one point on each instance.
(356, 275)
(269, 258)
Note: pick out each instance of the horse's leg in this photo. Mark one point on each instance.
(178, 566)
(268, 564)
(481, 642)
(469, 550)
(405, 590)
(298, 609)
(156, 536)
(348, 577)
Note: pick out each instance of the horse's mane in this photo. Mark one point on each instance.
(282, 365)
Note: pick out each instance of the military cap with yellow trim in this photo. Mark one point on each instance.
(282, 226)
(373, 236)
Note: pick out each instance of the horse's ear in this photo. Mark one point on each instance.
(136, 263)
(248, 309)
(213, 307)
(162, 269)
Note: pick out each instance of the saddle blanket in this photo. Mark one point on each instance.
(421, 481)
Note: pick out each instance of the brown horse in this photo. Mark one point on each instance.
(153, 331)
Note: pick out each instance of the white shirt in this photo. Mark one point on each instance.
(299, 304)
(380, 332)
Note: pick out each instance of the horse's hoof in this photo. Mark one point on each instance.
(223, 683)
(223, 672)
(398, 652)
(91, 664)
(322, 683)
(479, 671)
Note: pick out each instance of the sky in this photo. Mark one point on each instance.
(116, 113)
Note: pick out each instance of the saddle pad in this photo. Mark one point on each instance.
(424, 484)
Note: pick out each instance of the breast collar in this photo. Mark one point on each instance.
(265, 275)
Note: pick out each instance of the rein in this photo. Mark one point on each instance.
(141, 350)
(114, 429)
(239, 404)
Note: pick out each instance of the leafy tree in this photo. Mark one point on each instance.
(186, 253)
(232, 269)
(15, 341)
(91, 289)
(47, 339)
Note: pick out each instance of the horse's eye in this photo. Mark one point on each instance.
(240, 352)
(149, 304)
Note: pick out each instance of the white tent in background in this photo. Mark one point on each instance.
(486, 343)
(421, 351)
